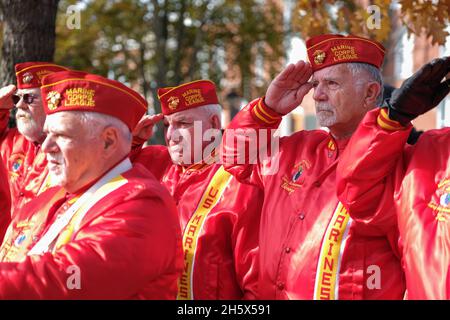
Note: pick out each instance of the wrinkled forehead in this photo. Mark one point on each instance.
(64, 121)
(335, 71)
(35, 91)
(186, 115)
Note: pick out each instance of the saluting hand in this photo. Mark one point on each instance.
(5, 97)
(287, 90)
(421, 92)
(144, 129)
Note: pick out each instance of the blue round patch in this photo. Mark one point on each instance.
(16, 165)
(445, 200)
(19, 240)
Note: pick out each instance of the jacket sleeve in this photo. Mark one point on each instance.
(4, 119)
(367, 169)
(115, 255)
(5, 202)
(247, 142)
(245, 242)
(155, 158)
(7, 136)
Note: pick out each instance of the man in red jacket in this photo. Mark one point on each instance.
(5, 201)
(310, 248)
(110, 231)
(379, 174)
(218, 215)
(20, 148)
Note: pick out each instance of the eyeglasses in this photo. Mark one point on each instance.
(28, 98)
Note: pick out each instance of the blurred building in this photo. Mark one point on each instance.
(405, 55)
(236, 91)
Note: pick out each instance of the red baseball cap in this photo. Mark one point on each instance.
(81, 91)
(30, 74)
(330, 49)
(187, 96)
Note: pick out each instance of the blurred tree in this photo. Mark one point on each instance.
(312, 17)
(158, 43)
(430, 17)
(28, 34)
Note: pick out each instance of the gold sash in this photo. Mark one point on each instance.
(67, 233)
(327, 274)
(208, 201)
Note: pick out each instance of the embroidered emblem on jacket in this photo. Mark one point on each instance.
(297, 178)
(20, 239)
(442, 205)
(16, 164)
(331, 148)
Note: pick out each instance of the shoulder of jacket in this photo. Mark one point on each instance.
(306, 136)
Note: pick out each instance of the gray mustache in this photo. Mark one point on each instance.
(23, 114)
(318, 109)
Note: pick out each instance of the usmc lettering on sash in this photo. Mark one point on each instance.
(79, 97)
(183, 283)
(326, 280)
(188, 245)
(191, 233)
(212, 194)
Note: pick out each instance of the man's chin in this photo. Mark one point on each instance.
(57, 179)
(23, 124)
(28, 130)
(325, 121)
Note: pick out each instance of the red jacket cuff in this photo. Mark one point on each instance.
(386, 123)
(264, 114)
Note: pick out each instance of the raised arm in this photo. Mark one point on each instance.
(249, 137)
(372, 164)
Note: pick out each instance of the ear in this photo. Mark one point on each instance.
(110, 140)
(373, 89)
(215, 122)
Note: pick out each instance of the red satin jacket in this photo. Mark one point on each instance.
(128, 246)
(381, 171)
(5, 202)
(225, 261)
(25, 163)
(309, 246)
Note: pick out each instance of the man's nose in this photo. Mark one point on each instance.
(21, 104)
(319, 93)
(172, 132)
(48, 145)
(169, 132)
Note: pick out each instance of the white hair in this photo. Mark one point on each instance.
(372, 72)
(208, 111)
(203, 112)
(95, 122)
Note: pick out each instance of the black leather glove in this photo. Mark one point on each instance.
(420, 92)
